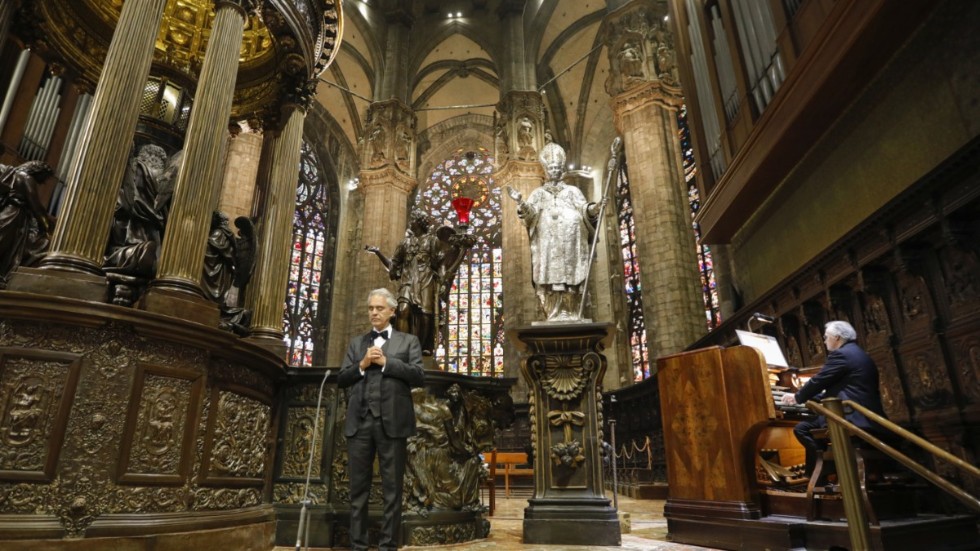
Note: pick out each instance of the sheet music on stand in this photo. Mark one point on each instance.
(769, 347)
(776, 362)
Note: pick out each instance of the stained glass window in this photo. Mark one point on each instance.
(470, 337)
(709, 287)
(307, 295)
(640, 355)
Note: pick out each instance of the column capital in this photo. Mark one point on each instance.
(514, 169)
(390, 137)
(241, 6)
(299, 95)
(519, 126)
(386, 176)
(649, 93)
(640, 45)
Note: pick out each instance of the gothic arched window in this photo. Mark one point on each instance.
(470, 335)
(709, 288)
(308, 293)
(639, 353)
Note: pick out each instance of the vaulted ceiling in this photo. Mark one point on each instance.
(454, 59)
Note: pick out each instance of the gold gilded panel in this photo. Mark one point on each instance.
(36, 392)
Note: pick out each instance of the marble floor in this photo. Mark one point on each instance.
(648, 529)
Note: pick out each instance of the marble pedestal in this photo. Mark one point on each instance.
(562, 367)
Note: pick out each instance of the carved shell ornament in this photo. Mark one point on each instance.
(564, 377)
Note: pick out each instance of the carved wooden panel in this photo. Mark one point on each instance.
(926, 375)
(164, 408)
(37, 388)
(296, 437)
(238, 431)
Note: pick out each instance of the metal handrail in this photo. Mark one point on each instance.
(966, 498)
(914, 438)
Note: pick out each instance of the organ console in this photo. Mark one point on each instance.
(733, 474)
(728, 438)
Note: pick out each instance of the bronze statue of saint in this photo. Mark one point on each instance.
(24, 222)
(424, 265)
(141, 213)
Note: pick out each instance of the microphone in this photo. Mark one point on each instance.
(763, 318)
(301, 534)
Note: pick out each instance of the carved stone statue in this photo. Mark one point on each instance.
(630, 62)
(525, 139)
(24, 223)
(560, 223)
(376, 146)
(403, 148)
(424, 264)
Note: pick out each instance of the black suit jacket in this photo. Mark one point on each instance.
(402, 372)
(849, 374)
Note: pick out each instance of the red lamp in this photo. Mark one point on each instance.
(462, 205)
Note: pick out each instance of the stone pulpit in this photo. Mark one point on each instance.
(562, 366)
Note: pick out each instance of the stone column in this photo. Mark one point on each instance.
(563, 368)
(7, 10)
(646, 99)
(176, 290)
(518, 167)
(80, 235)
(386, 180)
(241, 170)
(278, 175)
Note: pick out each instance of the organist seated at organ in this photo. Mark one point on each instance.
(849, 374)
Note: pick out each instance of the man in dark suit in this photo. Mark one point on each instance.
(381, 368)
(849, 374)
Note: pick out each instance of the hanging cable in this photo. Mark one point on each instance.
(569, 68)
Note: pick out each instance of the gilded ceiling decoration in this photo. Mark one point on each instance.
(285, 46)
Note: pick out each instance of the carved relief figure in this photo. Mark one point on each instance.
(25, 413)
(158, 435)
(376, 146)
(525, 137)
(961, 270)
(403, 147)
(630, 62)
(24, 223)
(912, 290)
(875, 317)
(500, 141)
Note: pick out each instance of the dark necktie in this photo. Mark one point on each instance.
(382, 334)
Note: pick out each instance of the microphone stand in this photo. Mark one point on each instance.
(614, 150)
(303, 529)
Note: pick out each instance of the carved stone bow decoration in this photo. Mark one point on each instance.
(567, 419)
